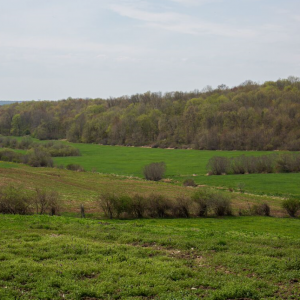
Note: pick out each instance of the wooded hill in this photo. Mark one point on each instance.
(247, 117)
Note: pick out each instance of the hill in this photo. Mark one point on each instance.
(247, 117)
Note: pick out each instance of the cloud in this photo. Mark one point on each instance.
(180, 23)
(195, 2)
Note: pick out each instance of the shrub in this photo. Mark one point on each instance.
(202, 197)
(14, 200)
(38, 158)
(138, 206)
(239, 164)
(155, 171)
(261, 210)
(241, 187)
(221, 204)
(122, 205)
(106, 203)
(189, 182)
(75, 167)
(9, 155)
(113, 205)
(53, 148)
(46, 202)
(158, 205)
(265, 163)
(291, 206)
(210, 200)
(288, 162)
(181, 207)
(218, 165)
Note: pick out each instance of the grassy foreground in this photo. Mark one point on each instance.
(46, 257)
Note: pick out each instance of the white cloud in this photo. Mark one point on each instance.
(195, 2)
(180, 23)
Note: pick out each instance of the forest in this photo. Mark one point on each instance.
(250, 116)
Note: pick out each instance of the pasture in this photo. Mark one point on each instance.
(46, 257)
(181, 165)
(66, 257)
(78, 188)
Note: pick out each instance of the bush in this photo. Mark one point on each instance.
(38, 158)
(158, 206)
(221, 205)
(261, 210)
(123, 205)
(210, 200)
(291, 206)
(189, 182)
(46, 202)
(53, 148)
(239, 165)
(181, 207)
(138, 206)
(288, 162)
(114, 206)
(14, 200)
(202, 198)
(218, 165)
(11, 156)
(155, 171)
(75, 167)
(107, 204)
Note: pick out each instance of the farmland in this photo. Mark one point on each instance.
(65, 258)
(181, 165)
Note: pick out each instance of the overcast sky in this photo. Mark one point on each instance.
(53, 49)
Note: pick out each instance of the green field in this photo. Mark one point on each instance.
(67, 258)
(181, 164)
(84, 187)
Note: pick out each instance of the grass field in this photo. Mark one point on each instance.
(65, 257)
(84, 187)
(181, 164)
(46, 257)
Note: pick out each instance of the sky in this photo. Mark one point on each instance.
(55, 49)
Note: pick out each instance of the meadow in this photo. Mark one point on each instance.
(76, 188)
(66, 257)
(181, 165)
(46, 257)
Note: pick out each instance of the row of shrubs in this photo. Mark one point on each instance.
(15, 200)
(35, 158)
(55, 149)
(204, 202)
(273, 163)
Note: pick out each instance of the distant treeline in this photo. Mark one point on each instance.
(273, 163)
(247, 117)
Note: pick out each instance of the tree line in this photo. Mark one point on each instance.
(250, 116)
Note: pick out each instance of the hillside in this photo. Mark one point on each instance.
(246, 117)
